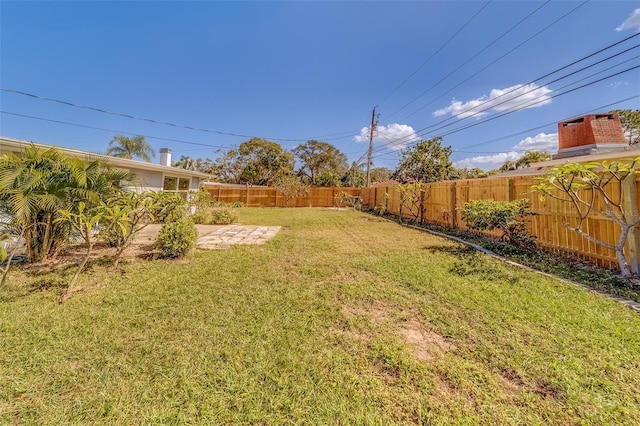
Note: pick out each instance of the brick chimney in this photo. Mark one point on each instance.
(590, 134)
(165, 157)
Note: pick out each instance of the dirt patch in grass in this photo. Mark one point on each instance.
(513, 382)
(423, 344)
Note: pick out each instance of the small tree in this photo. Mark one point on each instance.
(412, 197)
(83, 222)
(290, 187)
(596, 188)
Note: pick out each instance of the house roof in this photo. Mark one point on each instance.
(537, 169)
(16, 145)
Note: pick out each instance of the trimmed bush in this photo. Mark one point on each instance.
(215, 216)
(177, 238)
(506, 216)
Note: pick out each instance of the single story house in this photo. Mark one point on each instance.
(148, 176)
(594, 137)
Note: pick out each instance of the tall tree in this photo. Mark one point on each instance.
(426, 161)
(630, 120)
(255, 162)
(380, 174)
(319, 158)
(126, 147)
(354, 176)
(525, 161)
(474, 173)
(198, 164)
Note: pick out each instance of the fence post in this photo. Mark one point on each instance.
(247, 196)
(511, 187)
(452, 205)
(630, 207)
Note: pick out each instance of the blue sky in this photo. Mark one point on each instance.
(293, 71)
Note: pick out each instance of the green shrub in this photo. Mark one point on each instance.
(223, 216)
(167, 207)
(215, 216)
(201, 199)
(177, 238)
(506, 216)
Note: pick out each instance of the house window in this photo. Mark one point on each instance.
(183, 184)
(170, 183)
(176, 184)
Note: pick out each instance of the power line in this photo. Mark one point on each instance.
(528, 104)
(112, 131)
(471, 58)
(493, 105)
(600, 108)
(498, 59)
(474, 108)
(149, 120)
(436, 52)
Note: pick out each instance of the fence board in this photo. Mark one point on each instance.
(444, 202)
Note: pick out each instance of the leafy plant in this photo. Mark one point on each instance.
(344, 199)
(603, 188)
(505, 216)
(134, 211)
(166, 206)
(381, 208)
(201, 199)
(177, 238)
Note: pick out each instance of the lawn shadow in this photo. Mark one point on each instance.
(471, 262)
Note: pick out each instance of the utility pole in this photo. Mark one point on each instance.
(374, 124)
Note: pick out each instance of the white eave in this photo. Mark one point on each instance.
(114, 161)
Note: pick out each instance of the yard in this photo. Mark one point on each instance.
(342, 318)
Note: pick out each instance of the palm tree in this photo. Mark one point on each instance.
(37, 185)
(125, 147)
(532, 157)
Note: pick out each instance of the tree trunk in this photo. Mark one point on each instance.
(622, 261)
(71, 287)
(5, 271)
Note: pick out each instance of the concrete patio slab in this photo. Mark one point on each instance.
(216, 236)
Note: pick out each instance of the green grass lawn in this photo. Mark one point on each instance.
(340, 319)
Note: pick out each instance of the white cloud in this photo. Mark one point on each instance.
(631, 23)
(539, 142)
(499, 100)
(618, 84)
(394, 136)
(487, 161)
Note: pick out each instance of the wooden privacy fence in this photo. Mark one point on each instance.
(444, 202)
(269, 197)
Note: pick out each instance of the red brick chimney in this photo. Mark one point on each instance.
(590, 134)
